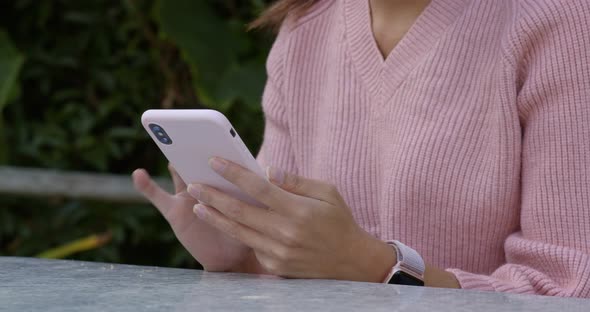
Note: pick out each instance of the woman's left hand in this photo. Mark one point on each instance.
(307, 230)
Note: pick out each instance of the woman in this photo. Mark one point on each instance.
(459, 127)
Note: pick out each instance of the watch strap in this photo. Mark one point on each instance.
(409, 262)
(410, 258)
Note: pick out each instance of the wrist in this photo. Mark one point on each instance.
(376, 261)
(385, 259)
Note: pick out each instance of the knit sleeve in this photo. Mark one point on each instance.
(550, 255)
(276, 147)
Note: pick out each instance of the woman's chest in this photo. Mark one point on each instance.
(440, 135)
(451, 107)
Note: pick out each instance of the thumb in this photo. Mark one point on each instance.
(295, 184)
(152, 191)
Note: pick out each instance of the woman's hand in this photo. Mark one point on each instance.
(306, 232)
(215, 250)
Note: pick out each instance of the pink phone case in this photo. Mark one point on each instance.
(189, 137)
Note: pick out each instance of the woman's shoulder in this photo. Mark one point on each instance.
(295, 29)
(540, 25)
(553, 4)
(321, 13)
(549, 48)
(317, 11)
(548, 14)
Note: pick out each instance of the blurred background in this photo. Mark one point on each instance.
(75, 77)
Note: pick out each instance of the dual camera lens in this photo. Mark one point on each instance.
(160, 134)
(163, 137)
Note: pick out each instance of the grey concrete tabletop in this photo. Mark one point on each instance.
(28, 284)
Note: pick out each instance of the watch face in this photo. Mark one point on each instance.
(402, 278)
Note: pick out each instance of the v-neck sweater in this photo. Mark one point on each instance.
(470, 142)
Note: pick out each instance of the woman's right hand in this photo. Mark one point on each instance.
(213, 249)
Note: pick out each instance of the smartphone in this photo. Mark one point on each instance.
(190, 137)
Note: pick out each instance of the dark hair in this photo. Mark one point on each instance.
(274, 16)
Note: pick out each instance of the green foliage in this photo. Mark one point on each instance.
(75, 77)
(213, 48)
(10, 63)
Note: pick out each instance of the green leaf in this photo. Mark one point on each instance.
(244, 82)
(11, 62)
(206, 42)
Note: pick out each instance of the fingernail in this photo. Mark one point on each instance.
(275, 175)
(137, 171)
(195, 190)
(218, 164)
(200, 211)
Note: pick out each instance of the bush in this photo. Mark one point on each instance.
(89, 69)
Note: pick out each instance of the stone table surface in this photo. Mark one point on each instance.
(28, 284)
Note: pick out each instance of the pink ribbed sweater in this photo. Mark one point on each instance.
(470, 142)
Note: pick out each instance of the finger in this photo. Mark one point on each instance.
(261, 220)
(250, 183)
(302, 186)
(242, 233)
(179, 185)
(152, 191)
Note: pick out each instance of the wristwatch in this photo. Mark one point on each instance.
(409, 269)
